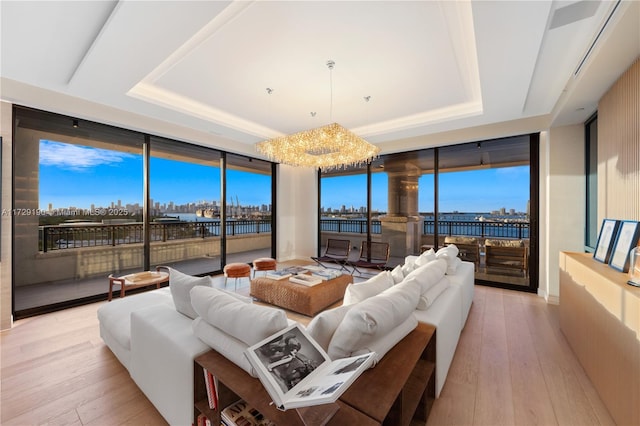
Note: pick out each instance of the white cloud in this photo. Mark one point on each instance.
(77, 157)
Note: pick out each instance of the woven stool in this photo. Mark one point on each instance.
(236, 270)
(263, 264)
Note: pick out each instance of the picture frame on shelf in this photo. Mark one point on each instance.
(606, 238)
(626, 239)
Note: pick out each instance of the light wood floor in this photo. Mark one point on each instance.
(512, 367)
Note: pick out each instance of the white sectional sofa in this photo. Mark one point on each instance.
(154, 334)
(156, 344)
(447, 289)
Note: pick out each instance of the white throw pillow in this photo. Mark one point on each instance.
(429, 274)
(373, 318)
(427, 298)
(397, 274)
(385, 343)
(180, 285)
(450, 254)
(426, 257)
(240, 297)
(409, 264)
(323, 325)
(358, 292)
(246, 322)
(452, 267)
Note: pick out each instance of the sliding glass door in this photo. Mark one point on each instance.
(185, 207)
(481, 196)
(484, 202)
(92, 200)
(78, 199)
(249, 206)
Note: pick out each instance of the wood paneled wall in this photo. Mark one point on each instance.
(619, 148)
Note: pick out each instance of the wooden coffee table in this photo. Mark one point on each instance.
(299, 297)
(139, 279)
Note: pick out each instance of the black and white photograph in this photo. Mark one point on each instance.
(290, 358)
(350, 366)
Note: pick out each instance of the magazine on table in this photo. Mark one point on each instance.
(327, 274)
(304, 279)
(278, 275)
(297, 372)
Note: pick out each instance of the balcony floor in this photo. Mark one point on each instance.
(50, 293)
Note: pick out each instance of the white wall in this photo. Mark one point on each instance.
(297, 216)
(6, 191)
(564, 201)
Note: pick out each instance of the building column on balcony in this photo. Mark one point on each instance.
(402, 225)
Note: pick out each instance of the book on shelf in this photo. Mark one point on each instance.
(297, 372)
(211, 384)
(242, 414)
(305, 279)
(278, 275)
(202, 420)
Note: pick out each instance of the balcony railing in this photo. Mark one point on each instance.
(519, 230)
(58, 237)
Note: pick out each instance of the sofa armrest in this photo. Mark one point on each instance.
(163, 348)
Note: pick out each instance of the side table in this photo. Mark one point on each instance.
(139, 279)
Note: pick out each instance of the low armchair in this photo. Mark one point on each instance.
(337, 251)
(507, 254)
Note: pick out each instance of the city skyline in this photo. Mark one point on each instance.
(70, 174)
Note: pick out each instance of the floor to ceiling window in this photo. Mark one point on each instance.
(343, 208)
(92, 200)
(185, 202)
(591, 142)
(481, 196)
(249, 194)
(78, 201)
(484, 206)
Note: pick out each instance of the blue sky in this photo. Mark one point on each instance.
(79, 176)
(482, 190)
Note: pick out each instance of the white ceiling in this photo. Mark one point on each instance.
(427, 66)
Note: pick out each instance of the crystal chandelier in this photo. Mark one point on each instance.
(327, 147)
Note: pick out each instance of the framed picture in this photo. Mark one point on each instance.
(605, 240)
(627, 238)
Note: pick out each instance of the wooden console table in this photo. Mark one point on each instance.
(400, 388)
(600, 317)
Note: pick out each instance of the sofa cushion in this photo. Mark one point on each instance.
(246, 322)
(115, 316)
(425, 257)
(384, 344)
(429, 274)
(373, 318)
(409, 264)
(450, 254)
(323, 326)
(226, 345)
(427, 298)
(180, 285)
(358, 292)
(397, 274)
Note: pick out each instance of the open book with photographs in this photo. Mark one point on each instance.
(297, 372)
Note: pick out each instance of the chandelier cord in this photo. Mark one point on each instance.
(330, 65)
